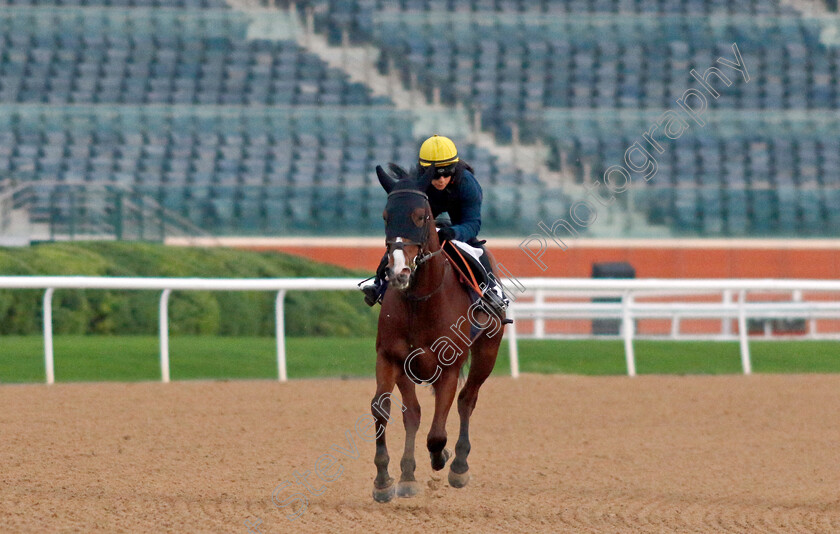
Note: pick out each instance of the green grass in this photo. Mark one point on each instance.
(133, 358)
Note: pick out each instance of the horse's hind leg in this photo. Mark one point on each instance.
(380, 407)
(483, 361)
(408, 485)
(445, 389)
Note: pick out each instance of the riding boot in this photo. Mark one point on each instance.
(375, 291)
(495, 297)
(494, 294)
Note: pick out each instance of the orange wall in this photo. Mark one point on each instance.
(673, 260)
(649, 262)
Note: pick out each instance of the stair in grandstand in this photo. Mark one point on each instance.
(42, 211)
(234, 128)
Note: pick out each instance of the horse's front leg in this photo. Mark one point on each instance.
(380, 407)
(408, 485)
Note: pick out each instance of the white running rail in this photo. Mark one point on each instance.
(535, 303)
(167, 285)
(543, 293)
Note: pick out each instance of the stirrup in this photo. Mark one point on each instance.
(497, 311)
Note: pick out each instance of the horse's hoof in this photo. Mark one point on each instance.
(384, 494)
(408, 489)
(446, 454)
(458, 480)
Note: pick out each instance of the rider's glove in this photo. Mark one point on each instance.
(446, 234)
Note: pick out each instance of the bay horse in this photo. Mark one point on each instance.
(428, 326)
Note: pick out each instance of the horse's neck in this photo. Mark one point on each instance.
(430, 275)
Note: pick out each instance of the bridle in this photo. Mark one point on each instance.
(423, 253)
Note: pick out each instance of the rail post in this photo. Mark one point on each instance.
(726, 322)
(743, 334)
(164, 336)
(49, 359)
(280, 319)
(796, 296)
(675, 326)
(513, 349)
(627, 332)
(539, 321)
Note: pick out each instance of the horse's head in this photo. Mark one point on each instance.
(409, 229)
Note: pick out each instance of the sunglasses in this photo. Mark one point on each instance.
(441, 172)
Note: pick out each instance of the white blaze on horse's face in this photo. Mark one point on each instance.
(400, 267)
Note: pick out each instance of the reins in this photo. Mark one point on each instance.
(427, 256)
(435, 290)
(423, 258)
(470, 280)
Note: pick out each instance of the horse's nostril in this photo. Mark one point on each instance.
(406, 272)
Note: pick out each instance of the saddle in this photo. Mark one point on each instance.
(470, 270)
(472, 273)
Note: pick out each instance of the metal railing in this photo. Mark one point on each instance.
(167, 285)
(627, 309)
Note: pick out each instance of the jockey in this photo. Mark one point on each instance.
(454, 190)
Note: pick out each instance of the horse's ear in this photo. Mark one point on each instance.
(388, 182)
(425, 179)
(398, 172)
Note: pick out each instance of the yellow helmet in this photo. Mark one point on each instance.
(439, 150)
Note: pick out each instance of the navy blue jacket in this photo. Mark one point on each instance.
(461, 199)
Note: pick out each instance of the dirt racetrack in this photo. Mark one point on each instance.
(550, 454)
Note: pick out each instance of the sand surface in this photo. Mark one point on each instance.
(549, 454)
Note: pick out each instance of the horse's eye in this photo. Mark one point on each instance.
(419, 219)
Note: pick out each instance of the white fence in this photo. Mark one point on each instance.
(539, 302)
(534, 304)
(167, 285)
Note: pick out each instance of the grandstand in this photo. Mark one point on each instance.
(228, 149)
(197, 116)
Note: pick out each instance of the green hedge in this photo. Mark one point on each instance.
(228, 313)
